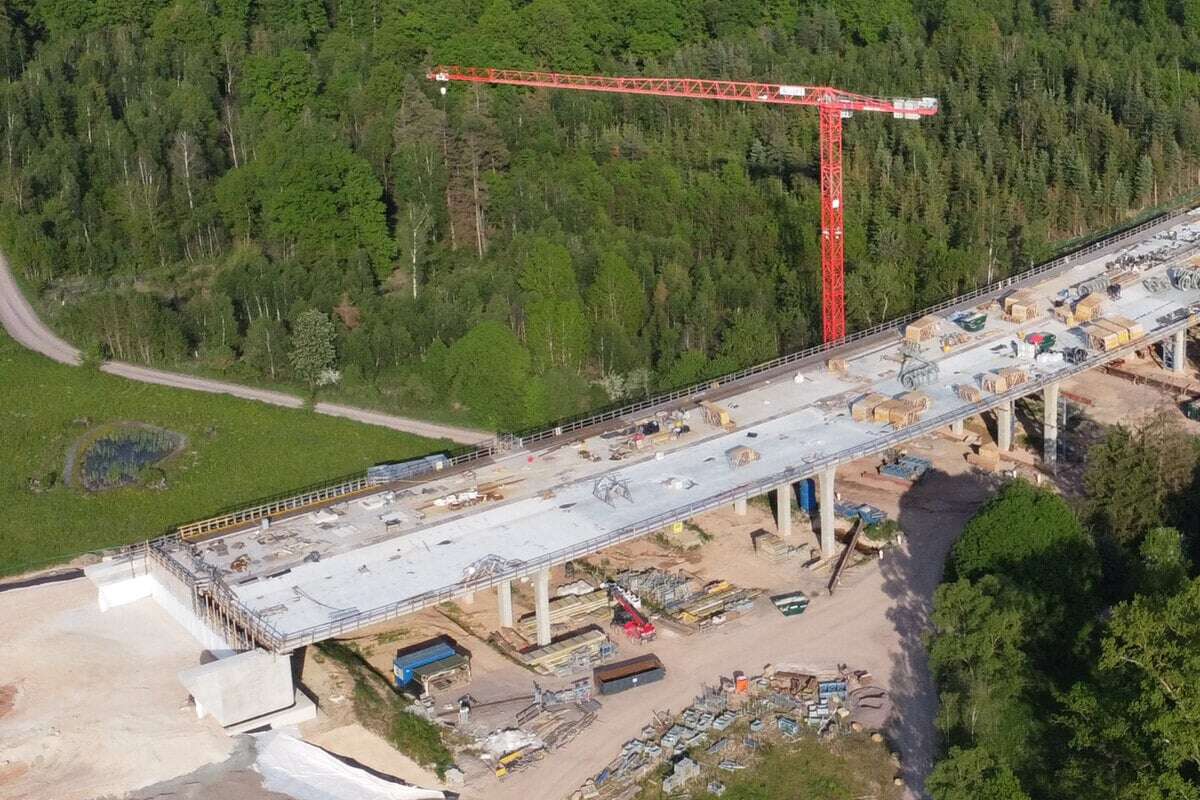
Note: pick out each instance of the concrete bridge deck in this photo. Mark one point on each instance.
(374, 557)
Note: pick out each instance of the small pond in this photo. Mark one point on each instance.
(124, 455)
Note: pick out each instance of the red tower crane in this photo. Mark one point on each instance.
(833, 105)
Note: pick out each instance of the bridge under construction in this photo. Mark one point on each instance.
(337, 558)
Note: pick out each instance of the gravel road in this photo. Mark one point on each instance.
(22, 323)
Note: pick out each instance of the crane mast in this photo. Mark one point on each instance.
(833, 105)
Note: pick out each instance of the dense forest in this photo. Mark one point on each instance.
(272, 189)
(1067, 644)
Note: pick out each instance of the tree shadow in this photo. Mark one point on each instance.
(932, 514)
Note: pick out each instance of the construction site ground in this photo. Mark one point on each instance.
(90, 705)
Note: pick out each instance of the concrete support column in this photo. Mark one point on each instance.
(739, 506)
(541, 605)
(1179, 352)
(504, 601)
(956, 427)
(1004, 426)
(1050, 425)
(828, 542)
(783, 509)
(468, 598)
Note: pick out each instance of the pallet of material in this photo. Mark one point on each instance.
(1013, 376)
(863, 409)
(773, 548)
(1132, 327)
(557, 654)
(1089, 308)
(917, 401)
(838, 366)
(572, 610)
(1120, 330)
(968, 393)
(717, 416)
(1021, 305)
(897, 412)
(1101, 338)
(1065, 315)
(923, 329)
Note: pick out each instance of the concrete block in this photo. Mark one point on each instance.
(241, 687)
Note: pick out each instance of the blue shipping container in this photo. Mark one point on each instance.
(404, 665)
(808, 496)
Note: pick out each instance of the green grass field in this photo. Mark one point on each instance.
(237, 451)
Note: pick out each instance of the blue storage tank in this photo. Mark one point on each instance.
(808, 495)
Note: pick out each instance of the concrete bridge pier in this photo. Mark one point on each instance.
(1004, 426)
(956, 427)
(541, 605)
(504, 601)
(1050, 425)
(825, 506)
(783, 509)
(1179, 352)
(739, 506)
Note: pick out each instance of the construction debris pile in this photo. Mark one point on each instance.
(663, 428)
(552, 719)
(679, 598)
(727, 725)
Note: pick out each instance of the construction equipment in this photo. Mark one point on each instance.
(833, 105)
(631, 618)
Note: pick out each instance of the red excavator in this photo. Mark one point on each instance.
(630, 618)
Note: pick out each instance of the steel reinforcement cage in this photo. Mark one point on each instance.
(228, 522)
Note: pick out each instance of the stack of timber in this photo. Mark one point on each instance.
(923, 329)
(896, 412)
(1133, 329)
(589, 644)
(1089, 308)
(988, 458)
(917, 401)
(718, 597)
(1065, 315)
(1021, 306)
(863, 409)
(571, 611)
(1002, 380)
(968, 393)
(773, 548)
(837, 366)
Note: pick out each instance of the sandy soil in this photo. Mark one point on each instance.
(875, 622)
(97, 707)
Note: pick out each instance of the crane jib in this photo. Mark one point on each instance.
(833, 104)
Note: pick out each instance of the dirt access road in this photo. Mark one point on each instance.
(22, 323)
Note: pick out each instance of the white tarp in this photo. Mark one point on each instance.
(296, 768)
